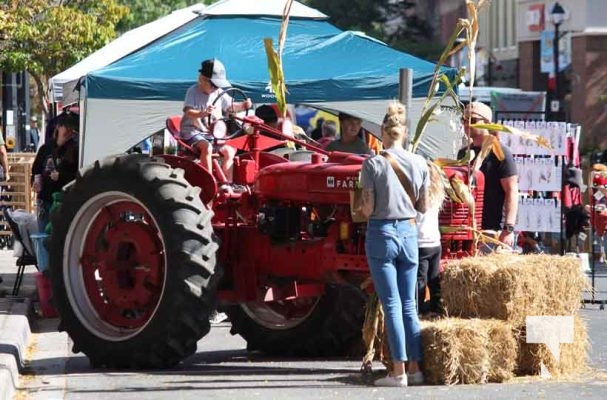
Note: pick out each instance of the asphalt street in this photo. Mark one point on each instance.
(223, 369)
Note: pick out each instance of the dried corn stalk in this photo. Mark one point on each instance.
(374, 336)
(277, 78)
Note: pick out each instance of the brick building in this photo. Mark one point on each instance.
(586, 79)
(509, 41)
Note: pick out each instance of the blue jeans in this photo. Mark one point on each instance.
(43, 209)
(392, 254)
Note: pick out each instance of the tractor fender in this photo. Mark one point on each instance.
(196, 175)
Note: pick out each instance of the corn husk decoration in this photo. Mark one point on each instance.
(449, 190)
(277, 78)
(374, 336)
(468, 26)
(462, 162)
(541, 141)
(484, 236)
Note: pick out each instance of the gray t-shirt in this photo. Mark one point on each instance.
(198, 100)
(355, 147)
(391, 199)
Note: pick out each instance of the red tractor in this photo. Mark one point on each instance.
(143, 248)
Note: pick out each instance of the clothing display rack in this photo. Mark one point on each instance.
(541, 174)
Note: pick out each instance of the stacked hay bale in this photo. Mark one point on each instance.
(487, 300)
(467, 351)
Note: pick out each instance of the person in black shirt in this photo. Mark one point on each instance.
(501, 177)
(316, 133)
(56, 164)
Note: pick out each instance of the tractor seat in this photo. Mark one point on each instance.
(173, 123)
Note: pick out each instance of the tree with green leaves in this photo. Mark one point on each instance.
(45, 37)
(401, 24)
(144, 11)
(362, 15)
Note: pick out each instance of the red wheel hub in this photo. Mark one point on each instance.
(123, 264)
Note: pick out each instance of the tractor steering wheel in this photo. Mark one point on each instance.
(222, 133)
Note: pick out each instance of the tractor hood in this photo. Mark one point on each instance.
(320, 183)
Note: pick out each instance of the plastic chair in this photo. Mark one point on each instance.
(26, 258)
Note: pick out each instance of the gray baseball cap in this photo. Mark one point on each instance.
(215, 71)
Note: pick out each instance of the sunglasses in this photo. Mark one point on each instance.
(473, 120)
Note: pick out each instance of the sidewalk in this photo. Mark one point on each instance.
(14, 324)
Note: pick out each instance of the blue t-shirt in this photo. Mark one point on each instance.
(391, 199)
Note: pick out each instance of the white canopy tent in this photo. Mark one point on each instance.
(265, 7)
(112, 124)
(62, 86)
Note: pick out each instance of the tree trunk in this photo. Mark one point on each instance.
(42, 97)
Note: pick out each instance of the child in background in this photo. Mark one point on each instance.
(329, 133)
(429, 245)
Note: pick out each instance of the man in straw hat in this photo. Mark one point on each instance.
(500, 205)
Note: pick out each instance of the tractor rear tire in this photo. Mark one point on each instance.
(132, 263)
(331, 327)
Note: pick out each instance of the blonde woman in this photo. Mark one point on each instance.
(428, 239)
(391, 243)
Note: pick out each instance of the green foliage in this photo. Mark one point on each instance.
(362, 15)
(428, 50)
(45, 37)
(144, 11)
(412, 34)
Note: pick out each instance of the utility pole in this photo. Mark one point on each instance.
(557, 15)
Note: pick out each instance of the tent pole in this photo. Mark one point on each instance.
(405, 93)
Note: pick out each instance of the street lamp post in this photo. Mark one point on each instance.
(557, 16)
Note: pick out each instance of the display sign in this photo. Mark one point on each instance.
(547, 51)
(9, 117)
(535, 17)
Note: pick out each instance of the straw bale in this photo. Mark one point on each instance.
(503, 350)
(510, 286)
(468, 351)
(573, 358)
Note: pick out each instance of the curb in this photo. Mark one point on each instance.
(14, 337)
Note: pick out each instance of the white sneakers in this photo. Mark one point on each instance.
(392, 381)
(217, 317)
(416, 378)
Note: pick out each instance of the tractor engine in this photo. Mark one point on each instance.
(281, 222)
(301, 201)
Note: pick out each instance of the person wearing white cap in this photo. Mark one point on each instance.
(198, 107)
(501, 177)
